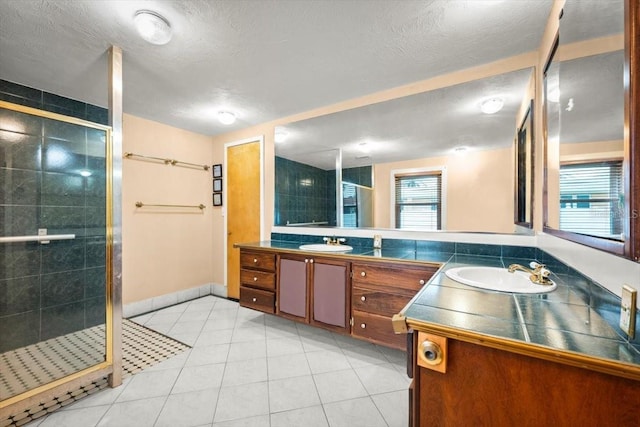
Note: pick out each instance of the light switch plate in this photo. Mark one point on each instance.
(628, 310)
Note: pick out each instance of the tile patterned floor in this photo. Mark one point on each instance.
(250, 369)
(42, 362)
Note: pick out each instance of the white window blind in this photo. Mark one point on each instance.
(591, 199)
(419, 201)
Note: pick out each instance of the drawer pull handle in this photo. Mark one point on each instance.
(255, 260)
(363, 298)
(255, 279)
(363, 274)
(422, 282)
(363, 325)
(254, 299)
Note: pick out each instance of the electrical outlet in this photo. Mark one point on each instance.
(628, 310)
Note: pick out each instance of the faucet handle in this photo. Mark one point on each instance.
(326, 239)
(342, 240)
(536, 265)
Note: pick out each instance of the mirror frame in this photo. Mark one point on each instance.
(630, 247)
(529, 156)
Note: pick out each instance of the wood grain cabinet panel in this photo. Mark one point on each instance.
(490, 387)
(257, 280)
(377, 329)
(380, 290)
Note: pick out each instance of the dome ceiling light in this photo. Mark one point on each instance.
(492, 105)
(226, 117)
(152, 27)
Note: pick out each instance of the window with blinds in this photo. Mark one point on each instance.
(591, 199)
(419, 201)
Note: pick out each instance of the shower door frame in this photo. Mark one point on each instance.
(85, 376)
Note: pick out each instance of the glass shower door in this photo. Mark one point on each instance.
(54, 247)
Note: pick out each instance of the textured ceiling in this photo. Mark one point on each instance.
(263, 59)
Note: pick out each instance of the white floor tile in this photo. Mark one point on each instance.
(382, 378)
(259, 421)
(359, 412)
(245, 372)
(280, 346)
(308, 417)
(327, 361)
(78, 417)
(254, 370)
(136, 413)
(292, 393)
(149, 384)
(394, 407)
(201, 377)
(247, 350)
(287, 366)
(189, 409)
(364, 355)
(244, 401)
(339, 385)
(222, 336)
(208, 355)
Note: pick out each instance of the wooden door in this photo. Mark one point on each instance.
(243, 206)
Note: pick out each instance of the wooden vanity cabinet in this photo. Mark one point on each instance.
(485, 386)
(314, 290)
(379, 290)
(258, 280)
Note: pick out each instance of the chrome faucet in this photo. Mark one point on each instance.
(538, 273)
(334, 240)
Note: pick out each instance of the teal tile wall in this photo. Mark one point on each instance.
(55, 289)
(303, 193)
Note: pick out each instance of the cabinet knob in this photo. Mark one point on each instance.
(363, 274)
(422, 282)
(363, 298)
(254, 299)
(255, 260)
(311, 261)
(255, 279)
(363, 325)
(306, 261)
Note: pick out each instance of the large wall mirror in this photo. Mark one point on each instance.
(588, 182)
(432, 160)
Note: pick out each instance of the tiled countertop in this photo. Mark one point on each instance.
(561, 325)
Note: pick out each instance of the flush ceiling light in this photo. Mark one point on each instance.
(152, 27)
(460, 150)
(492, 105)
(280, 136)
(226, 118)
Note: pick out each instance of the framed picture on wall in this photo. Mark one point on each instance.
(217, 171)
(217, 185)
(217, 199)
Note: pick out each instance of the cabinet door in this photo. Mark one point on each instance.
(292, 287)
(330, 294)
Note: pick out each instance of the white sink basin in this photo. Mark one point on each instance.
(323, 247)
(498, 279)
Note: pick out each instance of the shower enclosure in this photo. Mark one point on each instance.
(55, 249)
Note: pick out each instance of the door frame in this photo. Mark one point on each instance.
(259, 139)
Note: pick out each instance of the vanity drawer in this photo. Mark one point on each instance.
(261, 261)
(392, 275)
(257, 299)
(258, 279)
(377, 329)
(378, 301)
